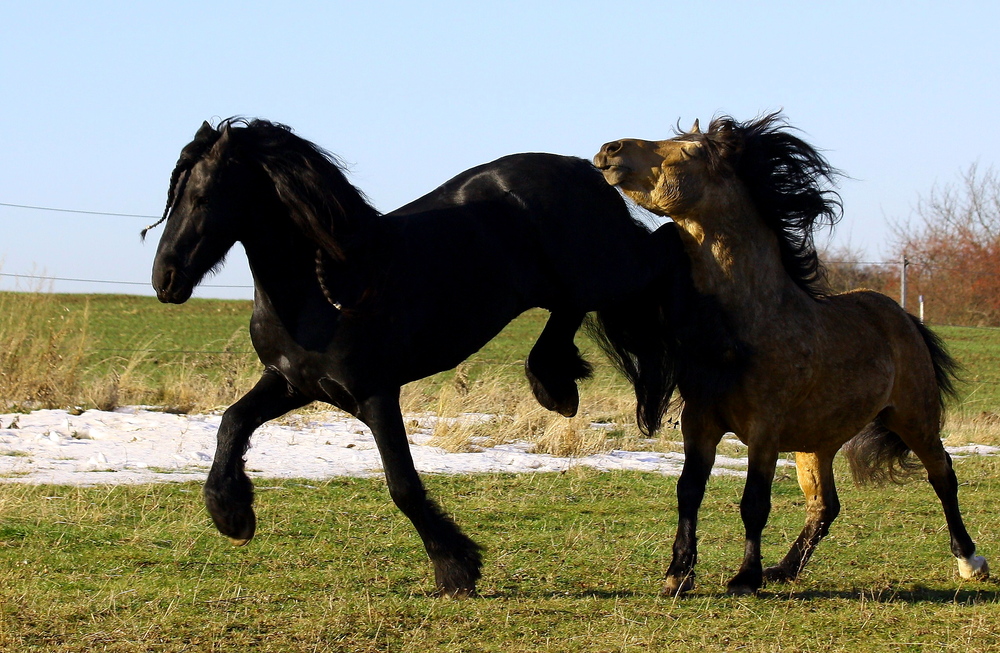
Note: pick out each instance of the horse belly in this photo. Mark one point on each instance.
(837, 410)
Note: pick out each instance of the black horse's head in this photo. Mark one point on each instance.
(231, 178)
(203, 206)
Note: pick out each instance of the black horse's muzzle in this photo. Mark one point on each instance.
(171, 285)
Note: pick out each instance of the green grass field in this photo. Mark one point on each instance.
(574, 562)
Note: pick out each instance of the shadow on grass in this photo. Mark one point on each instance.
(893, 595)
(914, 595)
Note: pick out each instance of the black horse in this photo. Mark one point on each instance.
(351, 304)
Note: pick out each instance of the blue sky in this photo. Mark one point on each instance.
(99, 97)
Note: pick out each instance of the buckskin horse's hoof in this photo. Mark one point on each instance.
(778, 574)
(973, 568)
(457, 593)
(678, 585)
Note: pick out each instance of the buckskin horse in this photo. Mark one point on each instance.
(350, 304)
(817, 370)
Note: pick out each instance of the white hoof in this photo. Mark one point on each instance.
(974, 568)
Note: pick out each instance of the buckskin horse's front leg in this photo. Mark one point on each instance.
(228, 491)
(456, 558)
(701, 438)
(754, 509)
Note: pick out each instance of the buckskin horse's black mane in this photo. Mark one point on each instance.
(788, 180)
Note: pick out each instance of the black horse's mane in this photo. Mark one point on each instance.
(308, 180)
(788, 182)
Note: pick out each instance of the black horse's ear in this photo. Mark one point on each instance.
(223, 135)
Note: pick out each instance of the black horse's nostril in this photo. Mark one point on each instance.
(613, 147)
(166, 280)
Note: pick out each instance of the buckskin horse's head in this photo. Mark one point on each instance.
(666, 177)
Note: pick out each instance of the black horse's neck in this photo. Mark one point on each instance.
(286, 284)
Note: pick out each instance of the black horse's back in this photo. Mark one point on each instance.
(580, 228)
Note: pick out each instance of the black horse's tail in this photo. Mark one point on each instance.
(671, 337)
(877, 454)
(633, 337)
(640, 334)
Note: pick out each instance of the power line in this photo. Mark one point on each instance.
(49, 208)
(121, 283)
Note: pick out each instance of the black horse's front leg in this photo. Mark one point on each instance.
(228, 491)
(456, 558)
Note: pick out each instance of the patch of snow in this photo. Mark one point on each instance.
(138, 445)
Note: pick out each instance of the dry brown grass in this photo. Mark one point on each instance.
(41, 351)
(498, 409)
(201, 384)
(976, 428)
(44, 363)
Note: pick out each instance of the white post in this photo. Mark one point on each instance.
(902, 284)
(921, 309)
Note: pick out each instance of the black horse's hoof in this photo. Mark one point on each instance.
(240, 529)
(744, 584)
(457, 579)
(233, 516)
(562, 398)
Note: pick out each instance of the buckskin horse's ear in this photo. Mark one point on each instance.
(205, 130)
(695, 128)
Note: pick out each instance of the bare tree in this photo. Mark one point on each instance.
(954, 249)
(846, 269)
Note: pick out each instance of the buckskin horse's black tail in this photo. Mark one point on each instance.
(877, 454)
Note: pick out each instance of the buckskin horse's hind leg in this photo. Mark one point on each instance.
(228, 491)
(815, 474)
(456, 558)
(554, 365)
(942, 478)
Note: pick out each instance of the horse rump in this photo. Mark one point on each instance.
(878, 454)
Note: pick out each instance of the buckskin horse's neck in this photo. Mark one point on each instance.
(735, 258)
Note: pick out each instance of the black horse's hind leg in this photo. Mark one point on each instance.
(228, 491)
(456, 558)
(554, 365)
(815, 474)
